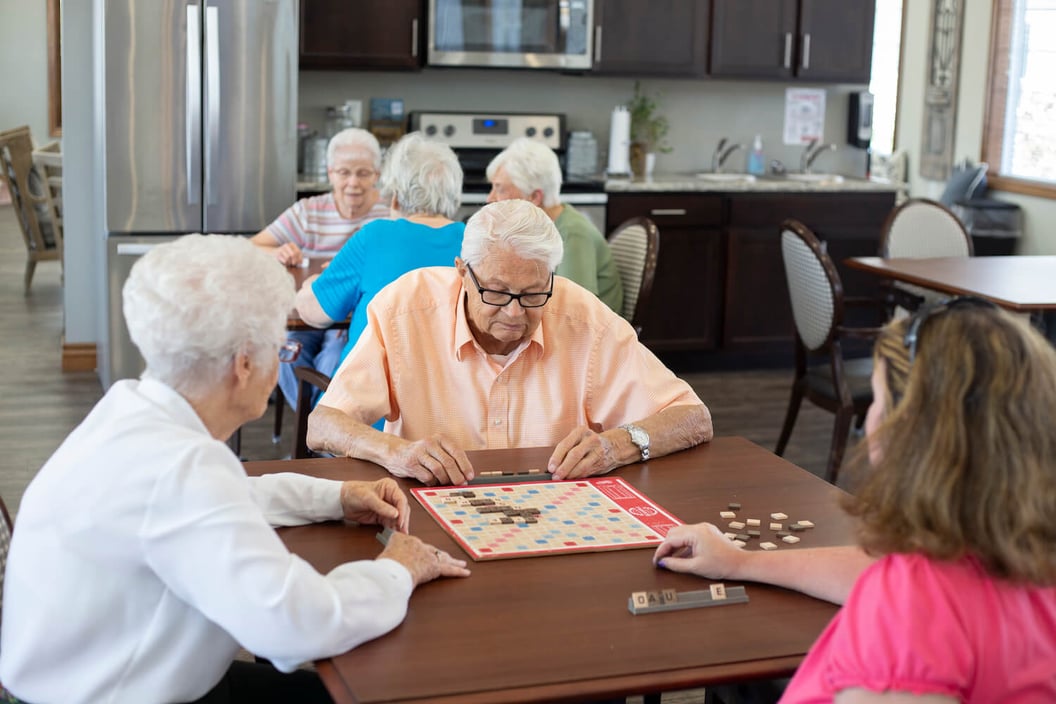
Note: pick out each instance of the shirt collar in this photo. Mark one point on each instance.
(172, 401)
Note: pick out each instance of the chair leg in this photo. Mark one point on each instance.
(31, 266)
(280, 403)
(798, 388)
(304, 407)
(839, 442)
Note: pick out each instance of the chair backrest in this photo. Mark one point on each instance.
(635, 247)
(814, 286)
(29, 194)
(5, 544)
(310, 379)
(923, 228)
(48, 160)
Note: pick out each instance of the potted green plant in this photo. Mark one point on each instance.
(649, 129)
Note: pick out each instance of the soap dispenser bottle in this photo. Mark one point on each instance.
(756, 158)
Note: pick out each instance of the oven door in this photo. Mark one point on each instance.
(511, 33)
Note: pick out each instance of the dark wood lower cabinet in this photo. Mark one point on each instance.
(685, 307)
(720, 286)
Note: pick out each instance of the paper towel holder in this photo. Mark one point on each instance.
(619, 144)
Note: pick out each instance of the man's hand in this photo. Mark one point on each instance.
(432, 461)
(289, 254)
(583, 453)
(423, 561)
(699, 549)
(376, 503)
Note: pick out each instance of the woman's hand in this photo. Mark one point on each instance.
(380, 503)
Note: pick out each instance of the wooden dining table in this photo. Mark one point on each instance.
(557, 628)
(1024, 284)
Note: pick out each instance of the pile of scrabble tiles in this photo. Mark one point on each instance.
(742, 531)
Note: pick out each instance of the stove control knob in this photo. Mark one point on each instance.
(449, 130)
(430, 130)
(548, 132)
(530, 131)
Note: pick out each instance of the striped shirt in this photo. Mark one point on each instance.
(315, 225)
(418, 365)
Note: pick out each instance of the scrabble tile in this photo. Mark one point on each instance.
(727, 514)
(806, 524)
(791, 539)
(733, 506)
(737, 525)
(739, 543)
(779, 516)
(670, 596)
(777, 526)
(753, 522)
(730, 536)
(753, 533)
(718, 591)
(768, 545)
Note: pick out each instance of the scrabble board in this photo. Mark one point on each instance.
(530, 519)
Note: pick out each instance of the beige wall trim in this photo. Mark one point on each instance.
(78, 356)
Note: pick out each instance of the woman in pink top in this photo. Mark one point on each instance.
(959, 510)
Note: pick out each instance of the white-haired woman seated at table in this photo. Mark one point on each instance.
(145, 557)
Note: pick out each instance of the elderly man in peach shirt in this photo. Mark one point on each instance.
(498, 352)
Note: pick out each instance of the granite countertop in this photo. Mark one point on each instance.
(726, 183)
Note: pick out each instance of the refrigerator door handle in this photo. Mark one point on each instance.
(212, 104)
(193, 117)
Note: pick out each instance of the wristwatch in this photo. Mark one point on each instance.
(639, 437)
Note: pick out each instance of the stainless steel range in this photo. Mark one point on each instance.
(476, 137)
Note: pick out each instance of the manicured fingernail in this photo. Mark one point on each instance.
(661, 564)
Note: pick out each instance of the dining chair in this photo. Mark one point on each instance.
(917, 229)
(6, 527)
(32, 200)
(822, 375)
(310, 379)
(635, 246)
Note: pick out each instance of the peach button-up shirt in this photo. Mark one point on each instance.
(418, 365)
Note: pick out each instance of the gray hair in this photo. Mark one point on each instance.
(354, 139)
(192, 304)
(531, 166)
(424, 176)
(517, 225)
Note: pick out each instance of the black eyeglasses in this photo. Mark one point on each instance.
(290, 351)
(928, 312)
(504, 298)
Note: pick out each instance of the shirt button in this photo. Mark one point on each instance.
(498, 422)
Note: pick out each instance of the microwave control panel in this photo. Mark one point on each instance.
(479, 130)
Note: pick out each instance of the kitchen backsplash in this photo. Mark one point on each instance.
(700, 111)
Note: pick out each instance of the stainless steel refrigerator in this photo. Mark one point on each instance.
(200, 102)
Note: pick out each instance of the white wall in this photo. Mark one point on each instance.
(1039, 236)
(24, 61)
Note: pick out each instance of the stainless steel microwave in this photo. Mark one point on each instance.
(554, 34)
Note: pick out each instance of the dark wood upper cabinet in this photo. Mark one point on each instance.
(811, 40)
(383, 34)
(754, 38)
(836, 40)
(657, 38)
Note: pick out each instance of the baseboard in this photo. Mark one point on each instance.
(78, 356)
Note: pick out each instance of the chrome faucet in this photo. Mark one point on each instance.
(812, 152)
(722, 153)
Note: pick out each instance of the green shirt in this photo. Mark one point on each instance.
(588, 259)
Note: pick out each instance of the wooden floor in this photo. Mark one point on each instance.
(40, 405)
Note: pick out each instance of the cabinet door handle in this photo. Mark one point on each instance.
(597, 44)
(788, 49)
(806, 50)
(667, 211)
(414, 37)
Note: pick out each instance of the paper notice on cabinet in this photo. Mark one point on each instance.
(804, 115)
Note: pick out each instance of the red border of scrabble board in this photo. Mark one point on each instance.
(655, 517)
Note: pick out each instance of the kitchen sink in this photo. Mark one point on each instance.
(727, 178)
(815, 178)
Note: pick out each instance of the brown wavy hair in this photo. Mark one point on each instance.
(968, 447)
